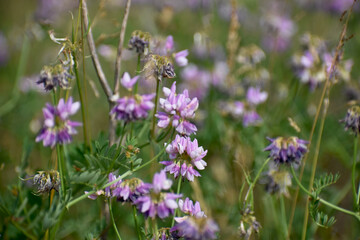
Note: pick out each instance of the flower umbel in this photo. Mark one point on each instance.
(193, 228)
(57, 127)
(287, 150)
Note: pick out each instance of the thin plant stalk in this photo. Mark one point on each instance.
(252, 185)
(158, 82)
(177, 192)
(136, 222)
(353, 172)
(137, 72)
(283, 216)
(333, 65)
(314, 164)
(155, 229)
(113, 220)
(61, 171)
(356, 215)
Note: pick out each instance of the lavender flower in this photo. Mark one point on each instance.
(196, 229)
(178, 109)
(156, 202)
(251, 118)
(133, 108)
(255, 97)
(180, 58)
(197, 81)
(287, 150)
(191, 209)
(57, 126)
(352, 120)
(185, 155)
(277, 181)
(127, 81)
(130, 189)
(169, 44)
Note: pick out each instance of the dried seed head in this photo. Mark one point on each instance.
(140, 41)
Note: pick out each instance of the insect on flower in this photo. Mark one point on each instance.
(158, 67)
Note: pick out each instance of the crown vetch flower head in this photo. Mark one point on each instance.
(193, 228)
(157, 202)
(254, 96)
(287, 150)
(133, 108)
(140, 41)
(54, 76)
(185, 155)
(180, 58)
(130, 189)
(178, 109)
(352, 120)
(57, 127)
(191, 209)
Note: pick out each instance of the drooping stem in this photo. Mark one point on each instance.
(136, 222)
(314, 164)
(356, 215)
(353, 172)
(177, 192)
(113, 220)
(158, 82)
(252, 185)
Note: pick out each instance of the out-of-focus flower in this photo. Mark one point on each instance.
(248, 224)
(185, 154)
(133, 108)
(219, 73)
(178, 109)
(127, 81)
(250, 55)
(169, 44)
(47, 180)
(4, 50)
(52, 77)
(48, 11)
(157, 202)
(287, 150)
(193, 228)
(251, 118)
(140, 41)
(254, 96)
(57, 127)
(180, 58)
(277, 181)
(278, 31)
(352, 120)
(191, 209)
(196, 80)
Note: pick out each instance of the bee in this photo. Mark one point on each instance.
(158, 67)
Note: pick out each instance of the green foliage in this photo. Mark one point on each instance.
(325, 181)
(320, 218)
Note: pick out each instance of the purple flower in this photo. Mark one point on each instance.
(178, 109)
(140, 41)
(251, 118)
(127, 81)
(130, 189)
(352, 120)
(189, 208)
(133, 108)
(185, 155)
(169, 44)
(196, 229)
(156, 202)
(57, 127)
(180, 58)
(287, 150)
(255, 97)
(196, 80)
(54, 76)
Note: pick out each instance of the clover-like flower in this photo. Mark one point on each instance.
(193, 228)
(352, 120)
(157, 202)
(287, 150)
(57, 127)
(55, 76)
(185, 155)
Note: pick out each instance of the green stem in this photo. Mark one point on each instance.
(113, 220)
(136, 222)
(357, 216)
(353, 172)
(155, 108)
(314, 163)
(155, 229)
(256, 178)
(177, 192)
(82, 102)
(283, 216)
(61, 170)
(137, 72)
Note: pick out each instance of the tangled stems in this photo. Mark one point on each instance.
(252, 185)
(356, 215)
(353, 173)
(113, 220)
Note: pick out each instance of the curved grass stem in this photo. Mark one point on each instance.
(113, 220)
